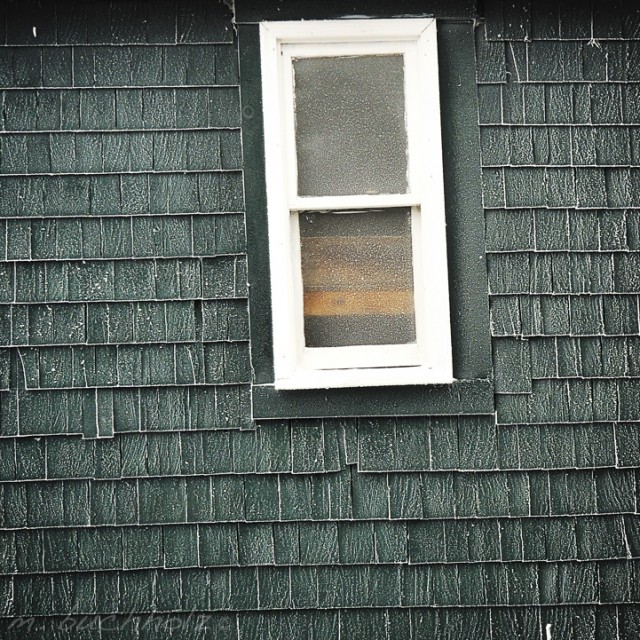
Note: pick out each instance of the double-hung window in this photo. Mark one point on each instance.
(355, 200)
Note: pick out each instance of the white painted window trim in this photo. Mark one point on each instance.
(429, 361)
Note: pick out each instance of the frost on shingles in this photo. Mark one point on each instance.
(559, 168)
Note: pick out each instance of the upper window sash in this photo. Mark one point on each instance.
(415, 40)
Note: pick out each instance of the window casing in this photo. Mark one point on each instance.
(368, 307)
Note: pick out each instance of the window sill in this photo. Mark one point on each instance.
(460, 397)
(378, 377)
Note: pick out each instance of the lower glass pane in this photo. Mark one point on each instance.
(357, 275)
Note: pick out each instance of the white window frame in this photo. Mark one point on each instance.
(429, 360)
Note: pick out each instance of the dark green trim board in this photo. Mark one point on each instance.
(473, 397)
(463, 196)
(465, 239)
(247, 11)
(256, 203)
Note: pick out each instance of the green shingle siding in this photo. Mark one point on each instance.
(134, 482)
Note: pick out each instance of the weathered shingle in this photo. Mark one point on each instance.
(123, 322)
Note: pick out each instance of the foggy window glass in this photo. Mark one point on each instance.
(350, 125)
(357, 278)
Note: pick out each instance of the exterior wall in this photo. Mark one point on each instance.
(137, 494)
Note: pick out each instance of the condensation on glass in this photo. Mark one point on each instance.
(350, 125)
(351, 140)
(357, 273)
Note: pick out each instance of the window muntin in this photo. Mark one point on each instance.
(352, 136)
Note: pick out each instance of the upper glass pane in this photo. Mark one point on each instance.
(351, 135)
